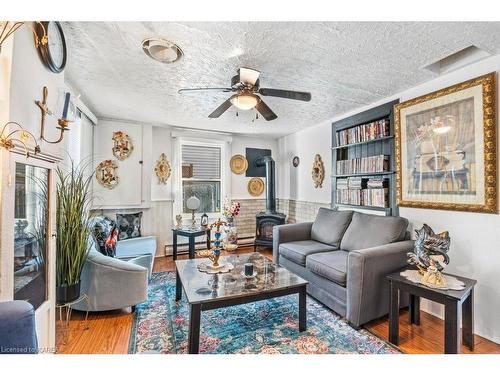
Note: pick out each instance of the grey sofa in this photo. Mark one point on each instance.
(115, 283)
(345, 256)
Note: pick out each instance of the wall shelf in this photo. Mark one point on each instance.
(364, 143)
(371, 208)
(372, 147)
(364, 174)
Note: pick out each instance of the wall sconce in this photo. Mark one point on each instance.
(63, 121)
(18, 136)
(9, 27)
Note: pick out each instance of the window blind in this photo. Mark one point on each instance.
(206, 161)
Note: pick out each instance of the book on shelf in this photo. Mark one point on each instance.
(360, 191)
(369, 164)
(363, 133)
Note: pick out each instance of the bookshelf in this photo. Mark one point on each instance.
(357, 141)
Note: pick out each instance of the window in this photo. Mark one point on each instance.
(201, 176)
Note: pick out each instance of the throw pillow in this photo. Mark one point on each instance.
(101, 229)
(129, 225)
(110, 244)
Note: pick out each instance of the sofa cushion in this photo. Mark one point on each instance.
(331, 265)
(298, 251)
(372, 230)
(330, 225)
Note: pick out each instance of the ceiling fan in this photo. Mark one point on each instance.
(246, 86)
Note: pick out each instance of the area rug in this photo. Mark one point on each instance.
(161, 326)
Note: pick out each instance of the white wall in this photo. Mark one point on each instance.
(155, 200)
(475, 237)
(28, 78)
(296, 182)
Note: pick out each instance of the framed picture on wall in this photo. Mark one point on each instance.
(446, 148)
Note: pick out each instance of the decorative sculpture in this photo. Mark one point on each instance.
(318, 171)
(162, 169)
(178, 219)
(106, 174)
(122, 145)
(430, 255)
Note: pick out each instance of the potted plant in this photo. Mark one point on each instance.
(73, 200)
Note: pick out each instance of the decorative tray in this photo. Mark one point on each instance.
(452, 283)
(209, 268)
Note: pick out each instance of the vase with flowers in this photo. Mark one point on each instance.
(230, 210)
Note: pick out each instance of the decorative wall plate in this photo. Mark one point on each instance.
(255, 186)
(318, 171)
(106, 175)
(162, 169)
(122, 145)
(295, 161)
(238, 164)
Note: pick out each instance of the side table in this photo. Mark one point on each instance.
(68, 306)
(454, 301)
(191, 234)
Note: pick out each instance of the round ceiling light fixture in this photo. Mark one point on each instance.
(244, 101)
(162, 50)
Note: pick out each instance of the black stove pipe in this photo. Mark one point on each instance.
(268, 162)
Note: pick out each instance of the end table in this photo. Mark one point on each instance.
(454, 301)
(191, 234)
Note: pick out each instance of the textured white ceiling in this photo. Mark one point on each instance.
(344, 65)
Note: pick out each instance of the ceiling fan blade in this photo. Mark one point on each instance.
(221, 109)
(199, 89)
(265, 111)
(287, 94)
(248, 76)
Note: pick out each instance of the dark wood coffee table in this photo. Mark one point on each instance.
(212, 291)
(454, 301)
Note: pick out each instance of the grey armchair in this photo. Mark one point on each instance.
(17, 328)
(345, 256)
(113, 283)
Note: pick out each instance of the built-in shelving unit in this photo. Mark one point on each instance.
(370, 133)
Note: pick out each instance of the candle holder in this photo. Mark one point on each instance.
(20, 137)
(45, 110)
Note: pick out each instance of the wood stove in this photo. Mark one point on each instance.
(265, 221)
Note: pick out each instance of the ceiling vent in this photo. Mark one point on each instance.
(457, 60)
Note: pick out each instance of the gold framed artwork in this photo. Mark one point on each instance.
(106, 174)
(238, 164)
(255, 186)
(446, 148)
(122, 145)
(318, 171)
(162, 169)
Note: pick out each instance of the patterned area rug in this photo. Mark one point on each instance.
(271, 326)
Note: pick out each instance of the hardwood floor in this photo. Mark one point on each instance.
(109, 332)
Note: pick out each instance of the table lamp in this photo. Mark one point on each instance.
(193, 204)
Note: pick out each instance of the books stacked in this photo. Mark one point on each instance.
(363, 133)
(363, 191)
(370, 164)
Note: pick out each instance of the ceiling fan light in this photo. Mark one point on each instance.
(244, 101)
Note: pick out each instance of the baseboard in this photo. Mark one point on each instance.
(201, 245)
